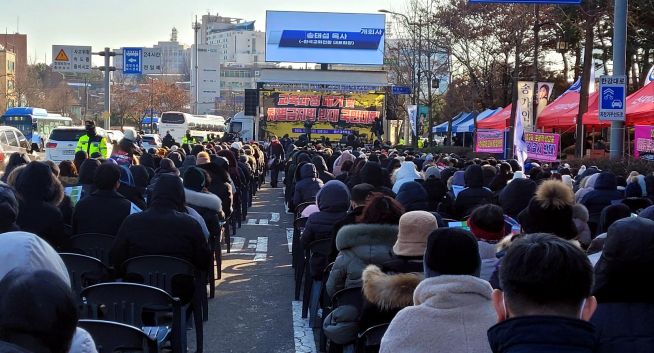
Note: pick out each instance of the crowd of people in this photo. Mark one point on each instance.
(476, 255)
(449, 254)
(169, 201)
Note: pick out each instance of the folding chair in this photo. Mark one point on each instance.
(93, 244)
(84, 271)
(113, 337)
(140, 306)
(298, 258)
(349, 296)
(313, 286)
(161, 271)
(370, 340)
(299, 208)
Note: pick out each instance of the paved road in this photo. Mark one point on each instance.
(253, 309)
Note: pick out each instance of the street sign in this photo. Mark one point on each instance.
(401, 90)
(151, 61)
(71, 58)
(543, 2)
(132, 61)
(612, 98)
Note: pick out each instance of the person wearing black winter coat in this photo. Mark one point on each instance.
(205, 203)
(623, 319)
(474, 194)
(605, 191)
(307, 186)
(39, 192)
(163, 229)
(105, 209)
(217, 182)
(516, 195)
(321, 167)
(333, 202)
(413, 197)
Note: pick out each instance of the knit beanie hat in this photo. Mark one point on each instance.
(550, 211)
(167, 166)
(194, 179)
(414, 228)
(203, 158)
(452, 251)
(487, 223)
(129, 134)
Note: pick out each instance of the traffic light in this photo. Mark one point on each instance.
(251, 102)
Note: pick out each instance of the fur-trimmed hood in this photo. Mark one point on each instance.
(355, 235)
(202, 199)
(389, 291)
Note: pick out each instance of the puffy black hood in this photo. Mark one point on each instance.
(624, 271)
(412, 196)
(168, 193)
(605, 181)
(37, 183)
(474, 176)
(147, 161)
(320, 164)
(371, 173)
(334, 197)
(87, 171)
(308, 171)
(141, 176)
(516, 195)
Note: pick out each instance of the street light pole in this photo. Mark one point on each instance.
(619, 68)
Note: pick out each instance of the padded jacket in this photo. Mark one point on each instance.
(307, 186)
(475, 194)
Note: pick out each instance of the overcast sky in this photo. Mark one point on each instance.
(119, 23)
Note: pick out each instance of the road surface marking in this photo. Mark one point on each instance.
(237, 244)
(251, 221)
(289, 239)
(261, 249)
(263, 222)
(302, 332)
(274, 217)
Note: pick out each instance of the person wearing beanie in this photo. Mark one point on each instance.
(603, 194)
(206, 204)
(435, 187)
(487, 224)
(546, 300)
(104, 210)
(550, 211)
(202, 158)
(452, 308)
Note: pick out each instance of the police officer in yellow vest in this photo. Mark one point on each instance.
(188, 139)
(91, 142)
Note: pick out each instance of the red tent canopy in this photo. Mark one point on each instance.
(640, 107)
(562, 113)
(497, 121)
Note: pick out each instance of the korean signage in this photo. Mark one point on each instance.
(151, 61)
(333, 114)
(526, 102)
(644, 142)
(613, 98)
(489, 141)
(542, 147)
(71, 58)
(132, 61)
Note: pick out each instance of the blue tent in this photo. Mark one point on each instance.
(469, 125)
(458, 119)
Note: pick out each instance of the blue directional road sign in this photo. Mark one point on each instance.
(612, 98)
(132, 58)
(544, 2)
(401, 90)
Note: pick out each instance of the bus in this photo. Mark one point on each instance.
(176, 123)
(150, 125)
(26, 119)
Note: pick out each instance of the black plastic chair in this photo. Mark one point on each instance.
(313, 286)
(299, 208)
(369, 341)
(160, 271)
(325, 302)
(84, 271)
(131, 304)
(298, 228)
(113, 337)
(93, 244)
(349, 296)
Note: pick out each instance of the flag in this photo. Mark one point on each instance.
(412, 111)
(519, 144)
(650, 76)
(576, 86)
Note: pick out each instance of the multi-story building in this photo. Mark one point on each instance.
(239, 46)
(215, 23)
(208, 79)
(17, 43)
(7, 79)
(175, 56)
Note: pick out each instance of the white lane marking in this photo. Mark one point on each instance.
(289, 239)
(302, 332)
(251, 221)
(274, 217)
(237, 244)
(261, 249)
(263, 222)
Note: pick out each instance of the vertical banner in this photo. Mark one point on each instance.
(422, 125)
(489, 141)
(412, 111)
(542, 147)
(543, 95)
(526, 103)
(644, 142)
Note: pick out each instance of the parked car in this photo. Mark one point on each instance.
(151, 141)
(11, 141)
(63, 141)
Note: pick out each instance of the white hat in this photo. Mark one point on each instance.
(130, 134)
(236, 145)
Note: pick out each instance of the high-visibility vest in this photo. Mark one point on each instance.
(97, 144)
(188, 141)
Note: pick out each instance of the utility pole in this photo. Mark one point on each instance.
(585, 77)
(196, 28)
(537, 26)
(619, 68)
(514, 106)
(107, 53)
